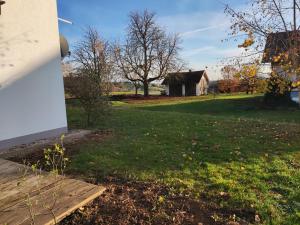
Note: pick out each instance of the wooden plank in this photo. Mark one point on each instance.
(67, 203)
(39, 202)
(83, 196)
(14, 193)
(72, 194)
(9, 170)
(4, 164)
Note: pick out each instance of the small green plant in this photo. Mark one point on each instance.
(56, 159)
(56, 162)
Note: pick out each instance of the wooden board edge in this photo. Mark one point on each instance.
(74, 208)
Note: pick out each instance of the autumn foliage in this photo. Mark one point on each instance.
(241, 79)
(230, 86)
(247, 74)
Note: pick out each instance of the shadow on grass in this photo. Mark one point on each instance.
(214, 131)
(251, 108)
(228, 146)
(154, 141)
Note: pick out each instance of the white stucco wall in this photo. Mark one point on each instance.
(198, 89)
(31, 84)
(202, 87)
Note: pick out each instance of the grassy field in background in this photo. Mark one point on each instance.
(228, 150)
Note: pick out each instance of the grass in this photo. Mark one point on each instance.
(227, 150)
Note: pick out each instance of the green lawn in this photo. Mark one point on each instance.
(227, 149)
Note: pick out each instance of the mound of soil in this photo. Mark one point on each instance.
(136, 97)
(146, 203)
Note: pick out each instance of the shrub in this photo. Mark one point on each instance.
(91, 81)
(278, 91)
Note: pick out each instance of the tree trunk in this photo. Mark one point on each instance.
(146, 89)
(248, 89)
(136, 90)
(88, 118)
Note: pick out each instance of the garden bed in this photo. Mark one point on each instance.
(132, 202)
(126, 202)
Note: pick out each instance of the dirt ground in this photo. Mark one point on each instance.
(130, 202)
(127, 202)
(140, 98)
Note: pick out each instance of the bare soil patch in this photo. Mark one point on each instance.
(35, 152)
(129, 202)
(142, 99)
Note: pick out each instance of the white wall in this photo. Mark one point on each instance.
(202, 86)
(198, 89)
(31, 84)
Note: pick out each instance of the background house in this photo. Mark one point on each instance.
(192, 83)
(31, 83)
(278, 46)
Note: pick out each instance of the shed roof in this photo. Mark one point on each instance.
(185, 77)
(279, 43)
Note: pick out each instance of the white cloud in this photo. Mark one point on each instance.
(202, 34)
(213, 51)
(193, 33)
(197, 51)
(182, 23)
(210, 57)
(228, 52)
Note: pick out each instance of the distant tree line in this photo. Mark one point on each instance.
(241, 79)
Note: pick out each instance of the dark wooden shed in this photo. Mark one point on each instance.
(192, 83)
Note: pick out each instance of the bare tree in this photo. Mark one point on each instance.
(91, 81)
(148, 54)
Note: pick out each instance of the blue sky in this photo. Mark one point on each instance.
(201, 24)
